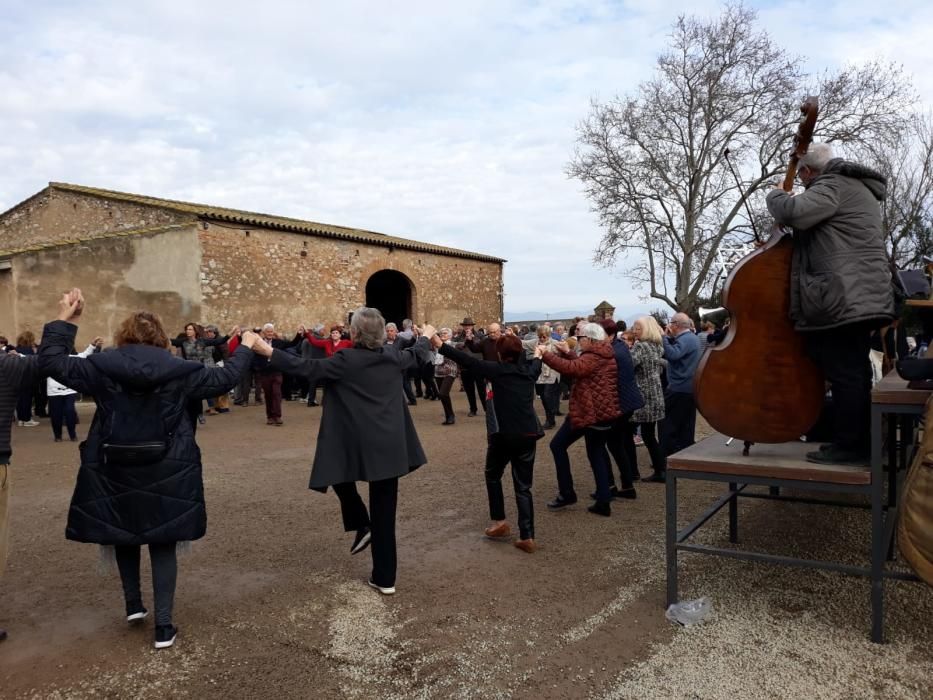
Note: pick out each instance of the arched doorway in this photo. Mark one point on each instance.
(390, 291)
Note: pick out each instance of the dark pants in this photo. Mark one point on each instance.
(658, 460)
(24, 404)
(312, 393)
(595, 452)
(680, 419)
(621, 446)
(42, 398)
(193, 409)
(430, 385)
(842, 354)
(444, 385)
(550, 399)
(406, 387)
(243, 387)
(62, 409)
(520, 451)
(164, 573)
(271, 383)
(474, 385)
(383, 500)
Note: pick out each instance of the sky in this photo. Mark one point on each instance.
(445, 122)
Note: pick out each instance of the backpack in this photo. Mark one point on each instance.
(138, 434)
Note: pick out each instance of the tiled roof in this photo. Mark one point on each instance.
(281, 223)
(94, 237)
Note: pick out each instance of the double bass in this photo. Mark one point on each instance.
(758, 384)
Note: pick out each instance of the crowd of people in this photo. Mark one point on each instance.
(151, 389)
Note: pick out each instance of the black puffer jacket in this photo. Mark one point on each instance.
(162, 502)
(840, 272)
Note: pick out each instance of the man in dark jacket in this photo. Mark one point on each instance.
(271, 378)
(630, 400)
(682, 352)
(366, 432)
(16, 373)
(473, 384)
(841, 289)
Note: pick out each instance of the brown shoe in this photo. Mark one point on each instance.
(526, 545)
(278, 421)
(501, 530)
(270, 421)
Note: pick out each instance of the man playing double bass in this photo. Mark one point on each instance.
(840, 286)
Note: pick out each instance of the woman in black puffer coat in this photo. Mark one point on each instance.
(161, 502)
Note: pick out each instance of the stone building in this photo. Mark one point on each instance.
(211, 264)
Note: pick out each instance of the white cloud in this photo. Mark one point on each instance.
(438, 121)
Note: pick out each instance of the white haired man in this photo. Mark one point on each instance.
(682, 352)
(841, 288)
(270, 378)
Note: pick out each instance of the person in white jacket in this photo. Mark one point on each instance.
(62, 400)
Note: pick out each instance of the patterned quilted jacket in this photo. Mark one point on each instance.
(595, 394)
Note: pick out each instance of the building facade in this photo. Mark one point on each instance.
(192, 262)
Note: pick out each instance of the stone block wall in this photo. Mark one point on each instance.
(258, 276)
(55, 215)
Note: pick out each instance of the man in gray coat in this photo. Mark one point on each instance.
(366, 431)
(840, 286)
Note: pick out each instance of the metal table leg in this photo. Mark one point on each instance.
(671, 536)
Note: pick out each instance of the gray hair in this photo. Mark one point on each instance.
(391, 327)
(406, 324)
(816, 157)
(269, 327)
(368, 328)
(593, 331)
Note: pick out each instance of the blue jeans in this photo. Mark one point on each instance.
(595, 452)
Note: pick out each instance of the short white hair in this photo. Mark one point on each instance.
(368, 328)
(391, 327)
(593, 331)
(269, 327)
(816, 157)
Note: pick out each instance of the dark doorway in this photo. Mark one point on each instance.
(390, 292)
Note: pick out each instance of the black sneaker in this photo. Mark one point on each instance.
(613, 493)
(2, 634)
(165, 636)
(656, 478)
(136, 613)
(363, 536)
(471, 414)
(561, 502)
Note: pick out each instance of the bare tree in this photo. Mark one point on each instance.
(653, 164)
(907, 209)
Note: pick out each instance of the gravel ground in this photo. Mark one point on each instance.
(270, 604)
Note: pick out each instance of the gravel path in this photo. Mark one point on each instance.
(270, 604)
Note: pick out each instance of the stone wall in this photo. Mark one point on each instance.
(290, 278)
(117, 275)
(55, 215)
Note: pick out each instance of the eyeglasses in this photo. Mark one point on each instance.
(579, 337)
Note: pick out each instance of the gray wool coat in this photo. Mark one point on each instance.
(647, 358)
(366, 432)
(840, 272)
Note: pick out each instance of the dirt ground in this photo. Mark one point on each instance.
(271, 605)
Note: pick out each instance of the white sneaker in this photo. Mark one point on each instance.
(28, 423)
(385, 590)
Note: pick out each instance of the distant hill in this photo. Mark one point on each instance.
(511, 316)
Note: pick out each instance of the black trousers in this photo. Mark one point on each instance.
(621, 445)
(444, 385)
(62, 410)
(842, 354)
(680, 421)
(164, 575)
(520, 451)
(550, 400)
(383, 501)
(658, 460)
(474, 385)
(430, 385)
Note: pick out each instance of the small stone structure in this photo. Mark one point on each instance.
(210, 264)
(604, 310)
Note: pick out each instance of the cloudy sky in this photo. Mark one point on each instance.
(440, 121)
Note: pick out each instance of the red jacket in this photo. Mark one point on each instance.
(330, 347)
(594, 397)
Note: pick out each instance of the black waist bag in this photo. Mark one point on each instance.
(138, 434)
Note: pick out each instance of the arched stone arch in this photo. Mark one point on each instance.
(393, 293)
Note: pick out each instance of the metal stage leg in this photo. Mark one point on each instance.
(733, 514)
(671, 536)
(877, 529)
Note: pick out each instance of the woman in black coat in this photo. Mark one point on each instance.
(122, 499)
(513, 431)
(366, 431)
